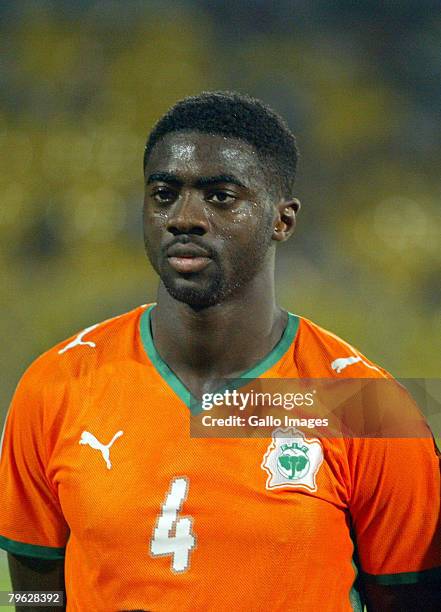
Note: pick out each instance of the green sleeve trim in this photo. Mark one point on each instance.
(424, 576)
(31, 550)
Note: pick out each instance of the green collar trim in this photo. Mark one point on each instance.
(178, 386)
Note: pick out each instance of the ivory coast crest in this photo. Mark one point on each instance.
(292, 460)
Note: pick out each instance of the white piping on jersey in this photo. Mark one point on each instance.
(78, 341)
(342, 362)
(88, 438)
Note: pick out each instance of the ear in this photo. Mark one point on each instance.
(285, 222)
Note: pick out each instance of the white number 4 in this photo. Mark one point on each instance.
(172, 535)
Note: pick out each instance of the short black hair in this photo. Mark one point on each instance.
(236, 115)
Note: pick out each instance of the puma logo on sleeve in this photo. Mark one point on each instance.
(78, 341)
(343, 362)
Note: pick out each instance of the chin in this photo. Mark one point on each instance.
(196, 290)
(197, 295)
(195, 298)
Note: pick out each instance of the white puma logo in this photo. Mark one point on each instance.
(342, 362)
(88, 438)
(78, 341)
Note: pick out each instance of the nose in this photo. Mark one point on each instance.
(187, 216)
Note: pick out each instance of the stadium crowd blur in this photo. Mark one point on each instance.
(82, 84)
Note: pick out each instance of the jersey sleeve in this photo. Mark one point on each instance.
(395, 509)
(31, 520)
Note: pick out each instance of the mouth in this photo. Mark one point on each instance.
(189, 264)
(187, 258)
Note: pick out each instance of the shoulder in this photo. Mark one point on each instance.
(63, 375)
(110, 340)
(319, 352)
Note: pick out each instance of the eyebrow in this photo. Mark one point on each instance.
(203, 181)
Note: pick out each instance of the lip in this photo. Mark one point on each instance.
(188, 265)
(187, 258)
(186, 251)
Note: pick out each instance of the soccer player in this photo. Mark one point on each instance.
(107, 496)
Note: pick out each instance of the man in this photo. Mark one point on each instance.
(102, 479)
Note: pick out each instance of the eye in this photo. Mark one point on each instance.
(163, 195)
(221, 197)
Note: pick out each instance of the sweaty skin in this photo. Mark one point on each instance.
(210, 193)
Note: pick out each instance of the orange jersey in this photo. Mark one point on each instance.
(98, 466)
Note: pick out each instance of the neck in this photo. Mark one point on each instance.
(222, 340)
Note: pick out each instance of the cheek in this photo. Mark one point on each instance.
(152, 238)
(245, 228)
(159, 216)
(241, 223)
(154, 222)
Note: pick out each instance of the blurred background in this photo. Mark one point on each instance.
(82, 83)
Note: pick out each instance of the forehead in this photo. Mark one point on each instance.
(191, 154)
